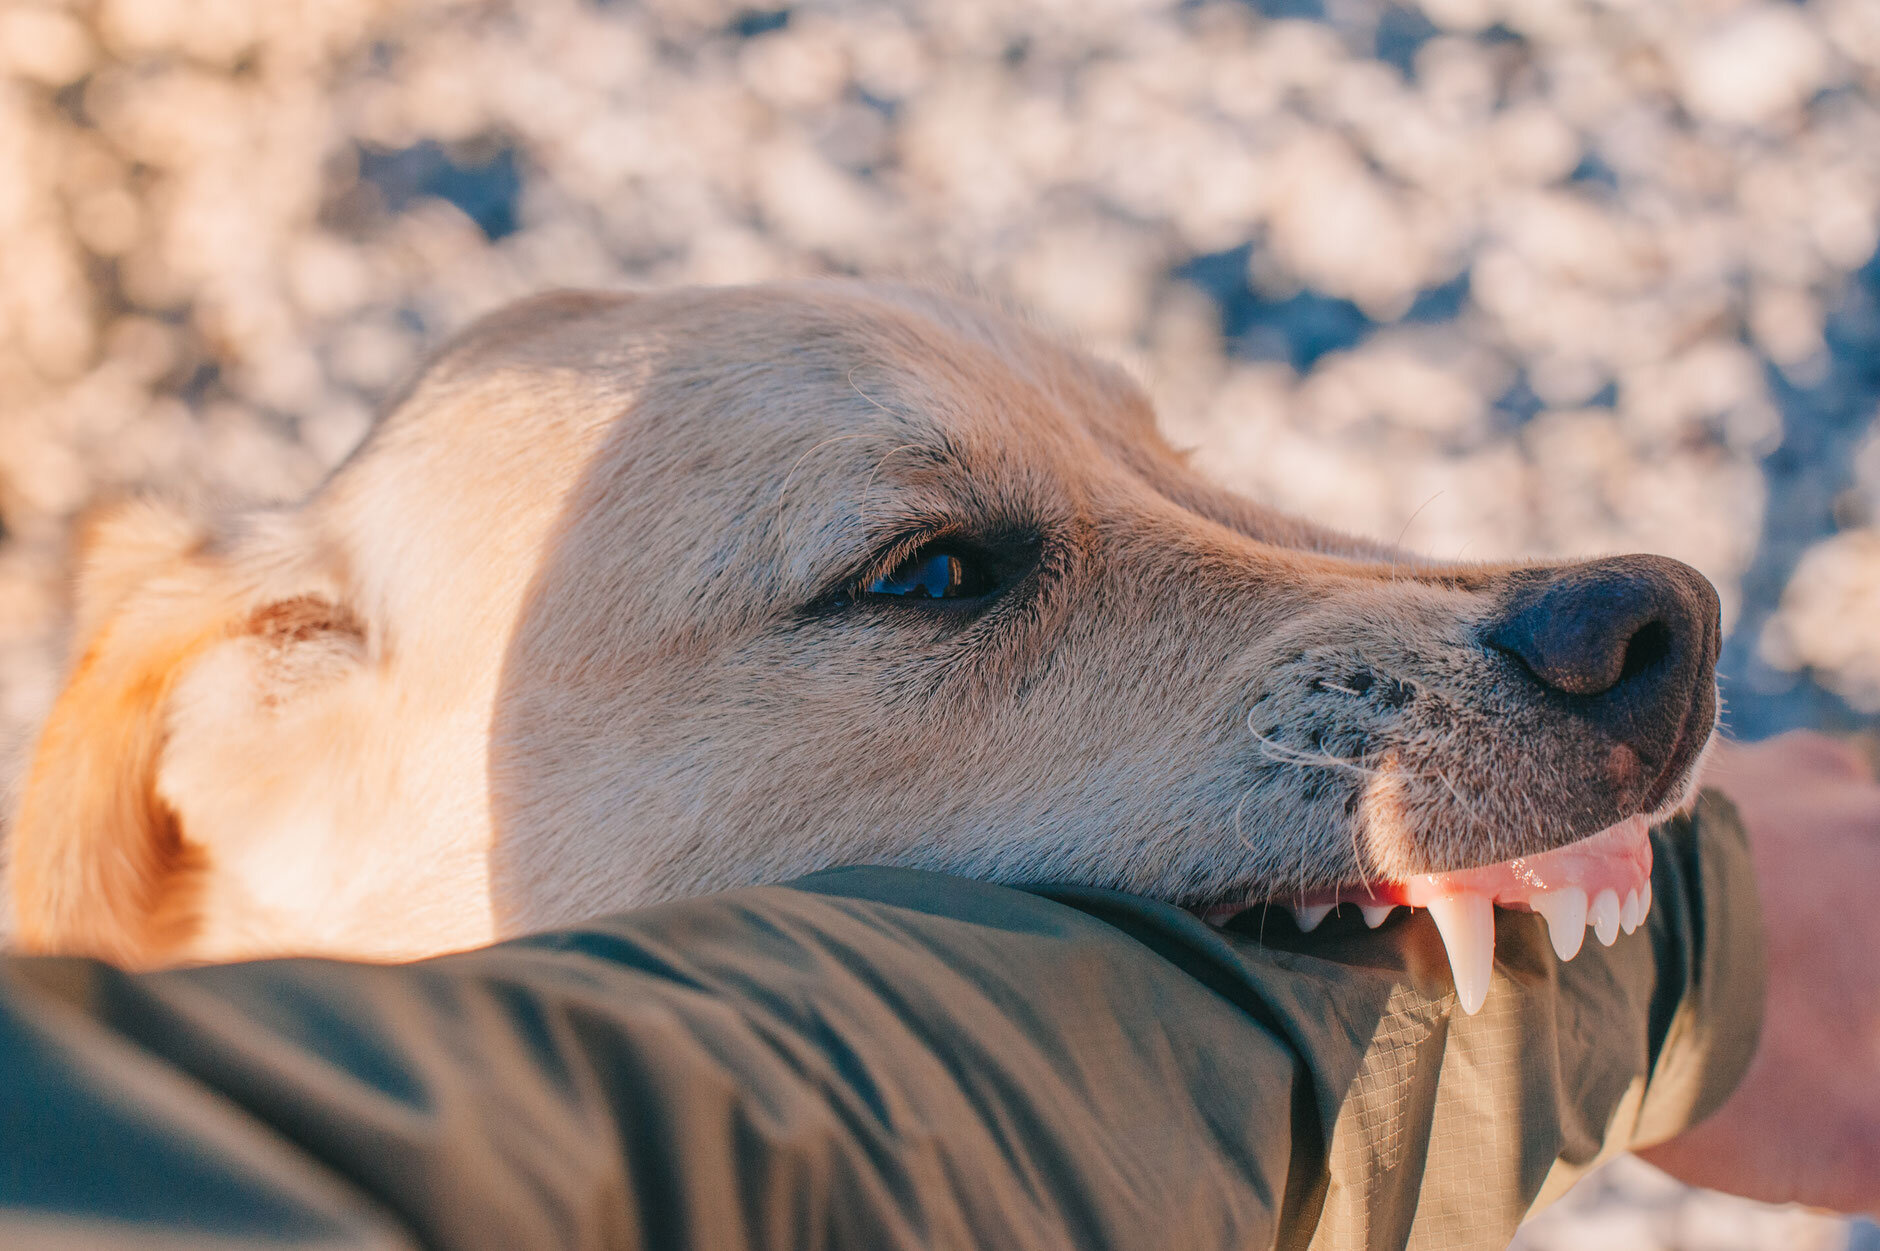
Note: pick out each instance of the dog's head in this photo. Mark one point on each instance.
(639, 597)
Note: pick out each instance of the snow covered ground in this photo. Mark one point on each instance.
(1500, 277)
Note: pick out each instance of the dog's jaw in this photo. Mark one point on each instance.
(1602, 881)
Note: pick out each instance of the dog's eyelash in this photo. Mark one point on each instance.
(1004, 559)
(894, 548)
(1009, 551)
(896, 555)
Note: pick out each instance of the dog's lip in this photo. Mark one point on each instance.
(1619, 857)
(1604, 880)
(1687, 747)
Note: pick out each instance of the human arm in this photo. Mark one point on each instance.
(1804, 1125)
(871, 1058)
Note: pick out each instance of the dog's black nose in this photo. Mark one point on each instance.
(1634, 638)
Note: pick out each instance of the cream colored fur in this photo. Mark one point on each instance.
(574, 630)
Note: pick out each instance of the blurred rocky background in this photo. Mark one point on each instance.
(1499, 278)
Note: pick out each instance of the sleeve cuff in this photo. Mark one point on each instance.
(1706, 1018)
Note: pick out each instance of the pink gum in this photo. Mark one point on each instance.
(1618, 858)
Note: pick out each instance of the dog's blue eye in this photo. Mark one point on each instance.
(939, 575)
(947, 568)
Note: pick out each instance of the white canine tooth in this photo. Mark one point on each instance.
(1376, 914)
(1565, 911)
(1604, 915)
(1632, 913)
(1645, 901)
(1467, 924)
(1309, 917)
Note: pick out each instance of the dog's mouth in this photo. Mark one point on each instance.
(1602, 881)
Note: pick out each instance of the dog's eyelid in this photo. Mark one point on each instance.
(1009, 551)
(895, 553)
(884, 555)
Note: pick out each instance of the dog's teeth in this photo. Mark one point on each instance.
(1376, 914)
(1645, 901)
(1565, 912)
(1309, 917)
(1631, 913)
(1467, 924)
(1604, 915)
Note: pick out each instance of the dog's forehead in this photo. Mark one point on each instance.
(957, 375)
(776, 364)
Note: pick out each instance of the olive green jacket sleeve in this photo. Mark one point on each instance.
(877, 1059)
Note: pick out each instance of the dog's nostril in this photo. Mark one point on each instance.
(1650, 645)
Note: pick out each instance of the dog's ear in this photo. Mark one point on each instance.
(93, 851)
(100, 863)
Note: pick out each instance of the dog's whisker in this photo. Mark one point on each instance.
(856, 387)
(784, 490)
(1534, 815)
(1468, 808)
(1413, 516)
(1283, 754)
(869, 487)
(1238, 832)
(1357, 859)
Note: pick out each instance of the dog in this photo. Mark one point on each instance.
(632, 597)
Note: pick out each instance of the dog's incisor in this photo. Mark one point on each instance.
(639, 596)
